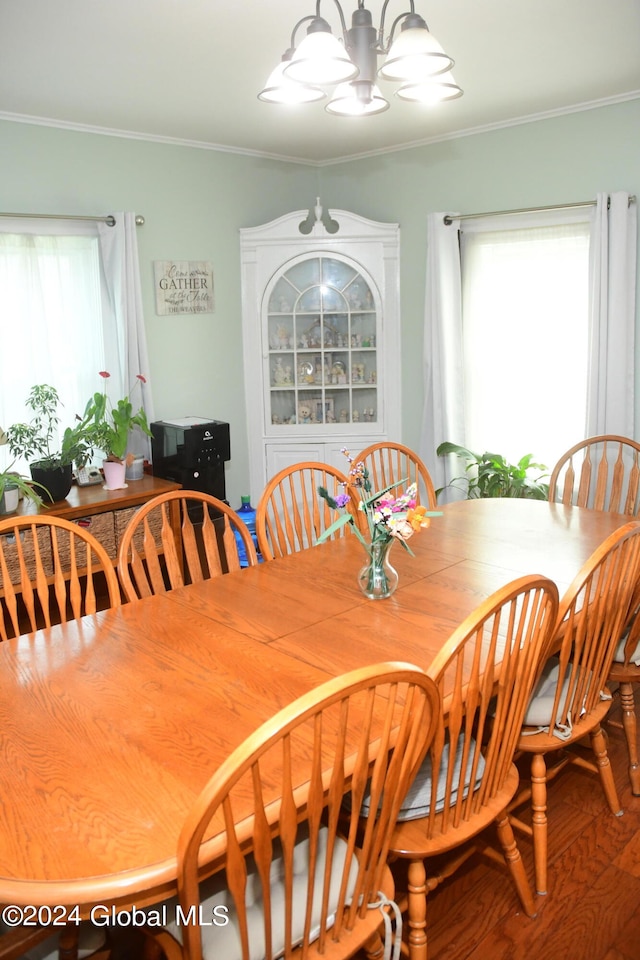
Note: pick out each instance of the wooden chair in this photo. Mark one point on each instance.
(571, 698)
(390, 462)
(180, 537)
(296, 870)
(51, 571)
(291, 515)
(485, 673)
(602, 473)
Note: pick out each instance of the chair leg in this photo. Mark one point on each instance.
(599, 745)
(417, 910)
(631, 733)
(374, 947)
(539, 820)
(68, 943)
(515, 864)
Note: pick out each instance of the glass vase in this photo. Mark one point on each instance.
(378, 579)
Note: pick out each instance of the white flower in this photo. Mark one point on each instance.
(401, 530)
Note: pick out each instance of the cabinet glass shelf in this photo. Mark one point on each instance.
(322, 354)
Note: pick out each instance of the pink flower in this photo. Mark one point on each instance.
(105, 374)
(141, 378)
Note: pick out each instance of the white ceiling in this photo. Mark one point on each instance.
(191, 69)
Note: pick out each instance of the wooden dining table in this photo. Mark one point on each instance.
(111, 725)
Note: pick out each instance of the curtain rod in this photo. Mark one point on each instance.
(448, 219)
(110, 220)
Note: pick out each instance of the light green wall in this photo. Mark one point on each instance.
(194, 201)
(553, 161)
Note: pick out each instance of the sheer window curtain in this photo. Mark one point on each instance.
(50, 321)
(525, 295)
(66, 314)
(610, 386)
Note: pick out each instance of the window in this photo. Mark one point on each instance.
(565, 302)
(525, 328)
(71, 307)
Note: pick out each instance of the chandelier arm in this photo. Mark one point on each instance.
(343, 22)
(401, 16)
(311, 16)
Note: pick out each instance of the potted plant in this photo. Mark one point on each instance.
(13, 485)
(50, 459)
(491, 475)
(108, 428)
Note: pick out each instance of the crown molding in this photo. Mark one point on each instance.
(382, 151)
(489, 127)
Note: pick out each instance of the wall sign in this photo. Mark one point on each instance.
(183, 286)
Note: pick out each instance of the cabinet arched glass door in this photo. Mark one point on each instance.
(322, 331)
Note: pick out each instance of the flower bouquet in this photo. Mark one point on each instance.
(388, 518)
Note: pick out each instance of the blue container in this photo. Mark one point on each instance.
(248, 515)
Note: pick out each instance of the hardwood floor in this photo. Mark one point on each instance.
(591, 910)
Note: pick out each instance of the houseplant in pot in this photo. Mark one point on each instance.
(108, 428)
(50, 457)
(13, 485)
(491, 474)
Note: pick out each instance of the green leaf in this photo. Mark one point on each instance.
(380, 493)
(337, 525)
(491, 475)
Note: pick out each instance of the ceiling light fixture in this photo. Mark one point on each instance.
(413, 58)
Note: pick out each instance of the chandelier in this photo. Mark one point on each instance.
(413, 58)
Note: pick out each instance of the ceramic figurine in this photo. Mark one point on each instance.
(304, 413)
(279, 372)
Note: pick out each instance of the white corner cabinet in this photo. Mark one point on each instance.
(321, 335)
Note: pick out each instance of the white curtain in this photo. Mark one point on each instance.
(51, 318)
(610, 400)
(443, 416)
(128, 342)
(71, 307)
(525, 295)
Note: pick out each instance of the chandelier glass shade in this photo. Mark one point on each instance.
(279, 89)
(435, 90)
(412, 57)
(320, 59)
(415, 56)
(353, 100)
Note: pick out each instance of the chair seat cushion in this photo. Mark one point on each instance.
(417, 802)
(538, 713)
(222, 942)
(618, 656)
(540, 708)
